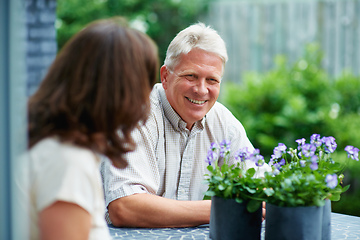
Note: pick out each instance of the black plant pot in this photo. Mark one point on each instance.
(293, 223)
(326, 221)
(230, 220)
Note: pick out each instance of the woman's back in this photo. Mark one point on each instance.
(64, 172)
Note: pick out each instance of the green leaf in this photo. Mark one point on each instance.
(269, 191)
(250, 190)
(335, 197)
(207, 197)
(218, 178)
(319, 202)
(251, 172)
(345, 188)
(210, 193)
(228, 191)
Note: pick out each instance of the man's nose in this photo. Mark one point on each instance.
(201, 86)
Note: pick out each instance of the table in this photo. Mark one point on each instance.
(342, 227)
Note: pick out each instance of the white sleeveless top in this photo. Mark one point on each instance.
(64, 172)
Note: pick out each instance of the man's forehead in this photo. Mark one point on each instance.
(197, 59)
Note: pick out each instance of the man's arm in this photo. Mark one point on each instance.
(146, 210)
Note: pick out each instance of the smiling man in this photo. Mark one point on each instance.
(163, 185)
(193, 86)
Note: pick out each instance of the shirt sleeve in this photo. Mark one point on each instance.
(141, 175)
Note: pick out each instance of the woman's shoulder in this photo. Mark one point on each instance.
(53, 151)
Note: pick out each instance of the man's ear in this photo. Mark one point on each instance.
(164, 73)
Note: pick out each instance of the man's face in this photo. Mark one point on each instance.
(193, 87)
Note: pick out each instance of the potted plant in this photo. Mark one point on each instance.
(300, 187)
(236, 192)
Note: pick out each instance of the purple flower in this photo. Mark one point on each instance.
(300, 141)
(331, 180)
(273, 158)
(352, 152)
(242, 155)
(257, 158)
(277, 166)
(330, 144)
(314, 166)
(308, 150)
(260, 160)
(282, 162)
(214, 146)
(271, 162)
(314, 163)
(212, 154)
(279, 150)
(224, 148)
(292, 152)
(302, 163)
(315, 139)
(211, 157)
(314, 158)
(255, 152)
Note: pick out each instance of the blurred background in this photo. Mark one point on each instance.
(293, 68)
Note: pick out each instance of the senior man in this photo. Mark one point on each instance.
(163, 185)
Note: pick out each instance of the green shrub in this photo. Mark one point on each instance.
(291, 102)
(284, 104)
(161, 19)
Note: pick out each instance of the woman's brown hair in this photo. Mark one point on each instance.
(97, 90)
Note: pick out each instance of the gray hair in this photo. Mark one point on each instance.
(195, 36)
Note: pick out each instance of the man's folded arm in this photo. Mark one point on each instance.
(151, 211)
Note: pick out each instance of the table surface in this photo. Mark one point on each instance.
(342, 227)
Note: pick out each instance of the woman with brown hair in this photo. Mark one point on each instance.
(94, 94)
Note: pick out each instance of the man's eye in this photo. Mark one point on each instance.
(190, 77)
(213, 80)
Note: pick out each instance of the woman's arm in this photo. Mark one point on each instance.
(64, 220)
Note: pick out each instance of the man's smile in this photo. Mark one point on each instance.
(195, 101)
